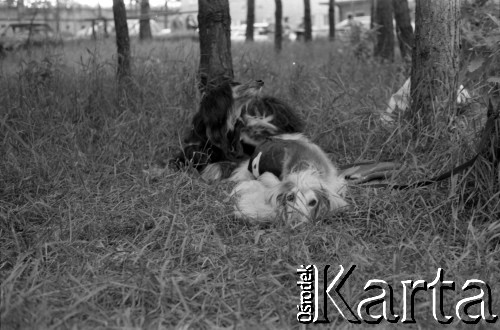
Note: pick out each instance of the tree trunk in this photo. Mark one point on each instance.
(278, 31)
(122, 39)
(435, 59)
(307, 21)
(331, 19)
(403, 27)
(20, 9)
(384, 47)
(250, 20)
(373, 4)
(144, 26)
(58, 18)
(216, 63)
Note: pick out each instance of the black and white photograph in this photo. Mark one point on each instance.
(249, 164)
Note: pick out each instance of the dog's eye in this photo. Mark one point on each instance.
(290, 198)
(313, 203)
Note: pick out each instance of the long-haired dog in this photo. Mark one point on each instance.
(287, 176)
(231, 121)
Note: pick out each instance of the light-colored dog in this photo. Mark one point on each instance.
(287, 176)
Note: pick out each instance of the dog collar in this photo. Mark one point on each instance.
(268, 157)
(255, 165)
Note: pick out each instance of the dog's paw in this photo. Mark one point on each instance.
(154, 171)
(212, 173)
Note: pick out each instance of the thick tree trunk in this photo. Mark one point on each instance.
(122, 39)
(216, 63)
(250, 20)
(144, 26)
(307, 21)
(278, 31)
(331, 19)
(435, 59)
(384, 47)
(403, 27)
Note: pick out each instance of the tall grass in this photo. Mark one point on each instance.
(89, 240)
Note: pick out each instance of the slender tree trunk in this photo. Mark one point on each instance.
(307, 21)
(373, 4)
(250, 20)
(144, 26)
(216, 63)
(403, 27)
(122, 39)
(278, 31)
(58, 18)
(331, 19)
(435, 59)
(20, 9)
(384, 47)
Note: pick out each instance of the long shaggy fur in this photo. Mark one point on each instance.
(231, 121)
(295, 179)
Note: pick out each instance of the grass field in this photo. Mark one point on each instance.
(89, 241)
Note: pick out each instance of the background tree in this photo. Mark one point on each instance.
(57, 16)
(403, 27)
(144, 25)
(278, 30)
(435, 59)
(307, 21)
(20, 9)
(250, 20)
(372, 13)
(384, 47)
(216, 63)
(122, 39)
(331, 19)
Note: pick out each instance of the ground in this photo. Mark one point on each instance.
(89, 240)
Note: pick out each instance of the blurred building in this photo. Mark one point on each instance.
(74, 18)
(292, 9)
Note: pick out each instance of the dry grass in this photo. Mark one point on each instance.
(89, 241)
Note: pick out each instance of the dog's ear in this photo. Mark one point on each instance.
(198, 129)
(215, 107)
(284, 193)
(323, 205)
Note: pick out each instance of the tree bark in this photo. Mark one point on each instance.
(384, 48)
(122, 39)
(58, 18)
(144, 26)
(331, 19)
(373, 4)
(435, 59)
(403, 27)
(307, 21)
(20, 9)
(250, 20)
(216, 63)
(278, 31)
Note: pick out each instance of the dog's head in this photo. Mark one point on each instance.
(246, 91)
(220, 108)
(303, 197)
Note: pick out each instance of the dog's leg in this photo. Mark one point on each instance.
(217, 171)
(241, 173)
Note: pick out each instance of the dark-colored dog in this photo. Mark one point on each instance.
(231, 121)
